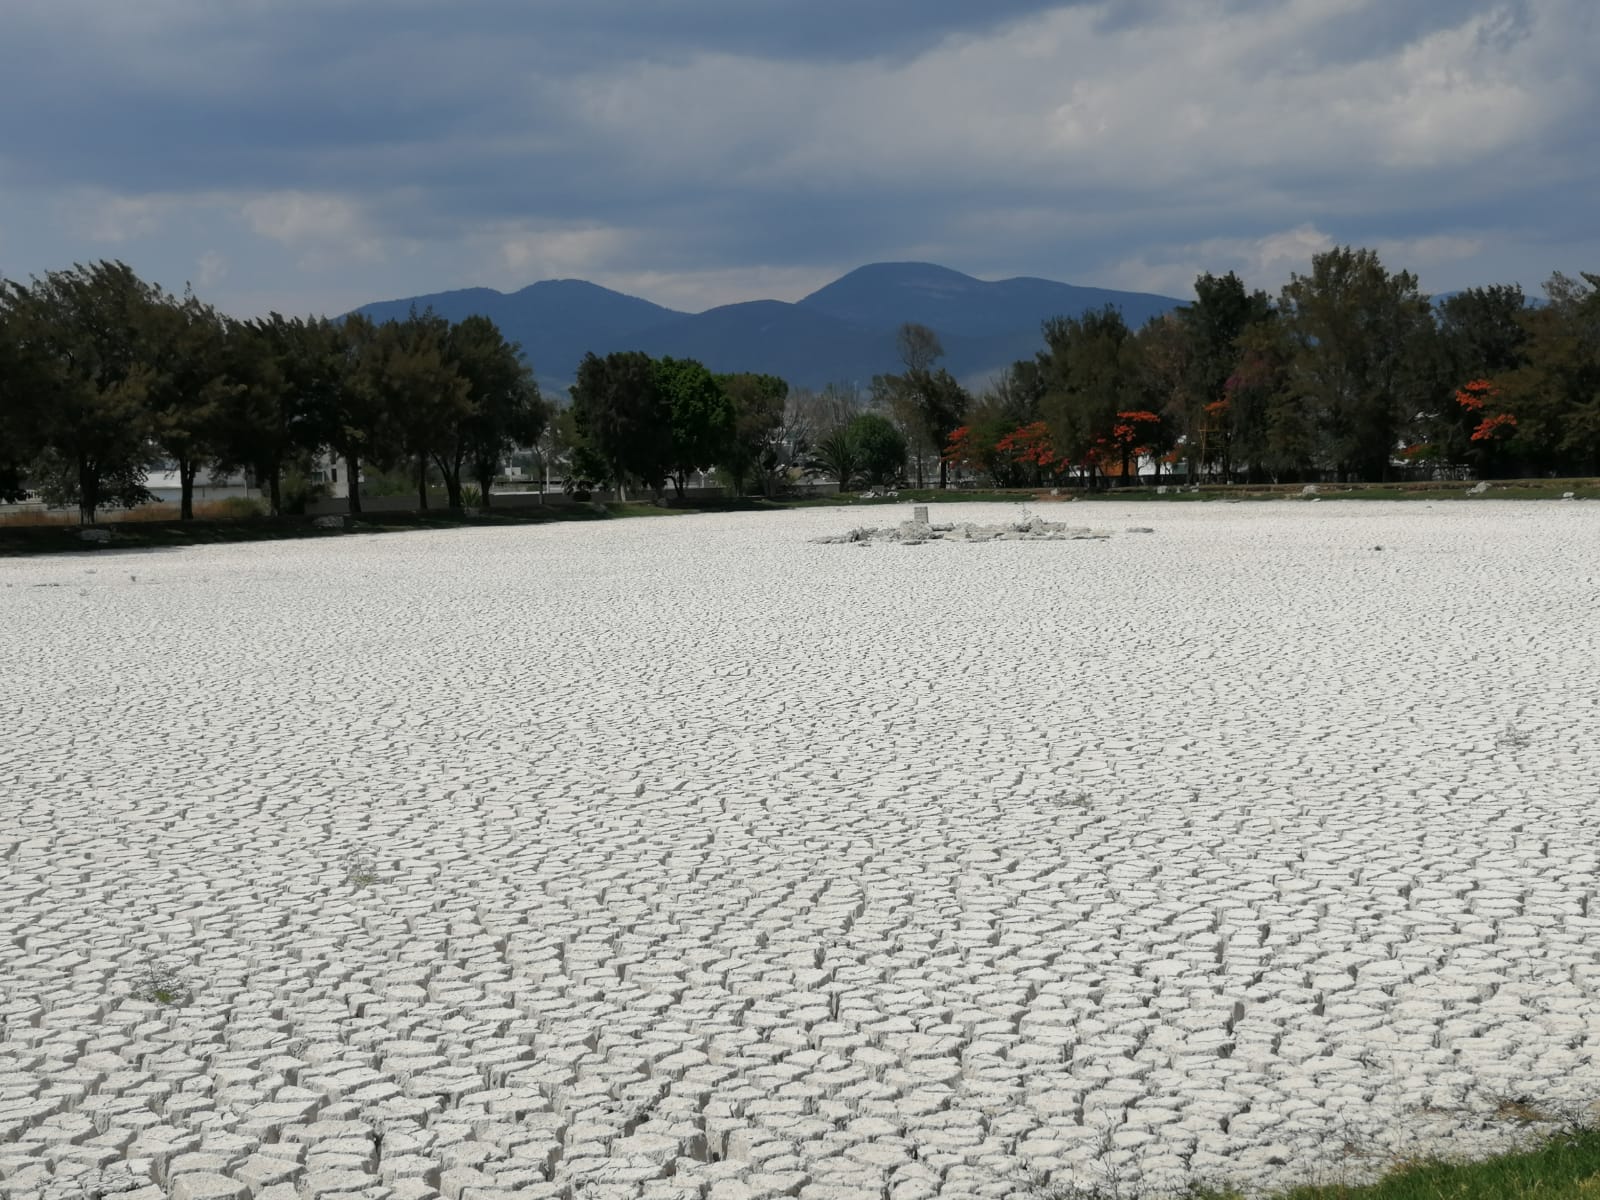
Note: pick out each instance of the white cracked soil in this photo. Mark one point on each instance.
(686, 858)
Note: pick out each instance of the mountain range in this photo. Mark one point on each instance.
(842, 333)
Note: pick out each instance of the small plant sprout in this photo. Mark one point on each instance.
(1512, 738)
(161, 981)
(360, 869)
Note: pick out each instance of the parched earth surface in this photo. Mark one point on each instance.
(685, 858)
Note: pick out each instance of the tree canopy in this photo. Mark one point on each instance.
(1350, 372)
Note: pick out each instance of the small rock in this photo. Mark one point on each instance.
(1140, 529)
(1310, 489)
(98, 536)
(333, 521)
(1569, 495)
(1478, 490)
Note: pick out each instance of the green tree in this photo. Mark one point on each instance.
(21, 406)
(836, 454)
(268, 419)
(618, 410)
(343, 368)
(189, 387)
(1166, 381)
(700, 417)
(1091, 370)
(1222, 311)
(82, 332)
(1485, 330)
(505, 409)
(927, 404)
(879, 447)
(1482, 335)
(1358, 333)
(421, 393)
(1555, 396)
(754, 450)
(1267, 427)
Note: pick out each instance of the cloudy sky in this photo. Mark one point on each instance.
(311, 155)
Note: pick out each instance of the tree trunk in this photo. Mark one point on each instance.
(88, 491)
(186, 471)
(1125, 457)
(485, 482)
(422, 483)
(274, 495)
(944, 473)
(450, 472)
(352, 467)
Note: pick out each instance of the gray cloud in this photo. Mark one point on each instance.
(331, 151)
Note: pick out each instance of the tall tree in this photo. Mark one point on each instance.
(928, 405)
(1212, 425)
(21, 406)
(82, 330)
(754, 450)
(189, 387)
(1482, 335)
(1091, 371)
(1555, 396)
(342, 369)
(505, 409)
(269, 417)
(422, 394)
(1266, 427)
(617, 408)
(700, 417)
(1357, 331)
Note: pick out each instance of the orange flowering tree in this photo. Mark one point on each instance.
(1482, 407)
(1130, 437)
(975, 446)
(964, 450)
(1026, 453)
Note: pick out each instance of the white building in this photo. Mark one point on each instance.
(164, 484)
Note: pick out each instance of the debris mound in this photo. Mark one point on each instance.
(916, 533)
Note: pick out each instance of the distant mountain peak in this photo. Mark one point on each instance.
(843, 332)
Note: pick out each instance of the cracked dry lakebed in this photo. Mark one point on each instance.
(687, 858)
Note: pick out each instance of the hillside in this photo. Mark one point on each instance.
(843, 332)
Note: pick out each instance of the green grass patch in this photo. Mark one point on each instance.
(1567, 1167)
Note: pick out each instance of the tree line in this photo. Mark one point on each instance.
(103, 374)
(1350, 373)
